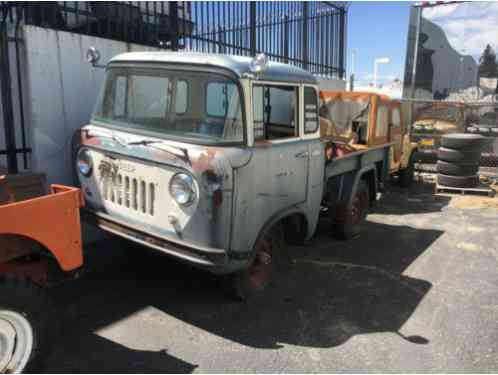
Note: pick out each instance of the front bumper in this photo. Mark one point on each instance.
(205, 257)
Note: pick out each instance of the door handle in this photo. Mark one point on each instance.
(303, 154)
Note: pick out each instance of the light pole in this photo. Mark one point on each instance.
(351, 76)
(377, 61)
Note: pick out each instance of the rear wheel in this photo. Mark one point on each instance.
(24, 316)
(347, 222)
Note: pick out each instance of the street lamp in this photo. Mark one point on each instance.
(377, 61)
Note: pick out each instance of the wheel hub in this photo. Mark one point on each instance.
(16, 342)
(7, 344)
(356, 210)
(264, 258)
(260, 269)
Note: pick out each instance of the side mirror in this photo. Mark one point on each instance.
(93, 57)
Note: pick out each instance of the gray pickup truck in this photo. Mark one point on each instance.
(213, 159)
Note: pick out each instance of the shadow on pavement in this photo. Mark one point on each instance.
(327, 292)
(419, 198)
(86, 352)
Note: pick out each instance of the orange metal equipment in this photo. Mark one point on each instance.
(52, 220)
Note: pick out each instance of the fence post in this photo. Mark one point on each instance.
(6, 93)
(173, 15)
(305, 34)
(286, 39)
(252, 27)
(342, 21)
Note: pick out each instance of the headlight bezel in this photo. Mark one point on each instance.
(183, 197)
(84, 162)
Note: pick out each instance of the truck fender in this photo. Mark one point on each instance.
(410, 148)
(279, 216)
(52, 220)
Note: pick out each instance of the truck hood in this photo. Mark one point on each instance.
(194, 158)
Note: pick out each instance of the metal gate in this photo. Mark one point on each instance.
(14, 137)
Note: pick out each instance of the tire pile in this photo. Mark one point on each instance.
(458, 160)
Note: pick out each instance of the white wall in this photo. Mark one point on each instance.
(62, 90)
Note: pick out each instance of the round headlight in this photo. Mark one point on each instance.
(181, 188)
(84, 162)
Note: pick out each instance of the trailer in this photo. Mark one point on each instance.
(40, 244)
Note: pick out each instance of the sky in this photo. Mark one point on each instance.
(469, 27)
(377, 29)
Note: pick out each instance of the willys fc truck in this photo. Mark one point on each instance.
(215, 159)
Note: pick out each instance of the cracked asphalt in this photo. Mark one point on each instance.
(416, 291)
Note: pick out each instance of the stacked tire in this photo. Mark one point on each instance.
(458, 160)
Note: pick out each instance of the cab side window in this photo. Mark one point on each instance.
(275, 112)
(381, 127)
(396, 118)
(310, 110)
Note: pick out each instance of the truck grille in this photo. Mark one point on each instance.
(129, 192)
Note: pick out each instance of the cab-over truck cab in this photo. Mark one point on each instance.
(207, 158)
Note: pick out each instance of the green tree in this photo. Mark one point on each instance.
(488, 67)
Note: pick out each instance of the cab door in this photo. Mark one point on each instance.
(279, 149)
(396, 132)
(276, 177)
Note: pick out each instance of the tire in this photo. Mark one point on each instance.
(458, 156)
(457, 169)
(347, 222)
(406, 175)
(250, 282)
(463, 142)
(26, 308)
(458, 181)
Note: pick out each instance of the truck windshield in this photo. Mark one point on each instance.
(203, 107)
(346, 117)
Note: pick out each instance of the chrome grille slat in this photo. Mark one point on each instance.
(129, 192)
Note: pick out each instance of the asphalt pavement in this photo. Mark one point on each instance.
(416, 291)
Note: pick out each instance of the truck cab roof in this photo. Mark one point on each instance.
(239, 65)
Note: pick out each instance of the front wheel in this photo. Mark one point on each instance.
(24, 314)
(254, 280)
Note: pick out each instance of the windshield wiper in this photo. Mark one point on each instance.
(143, 142)
(176, 151)
(101, 133)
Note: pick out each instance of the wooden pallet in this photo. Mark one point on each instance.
(481, 189)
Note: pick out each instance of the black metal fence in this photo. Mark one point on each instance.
(311, 35)
(308, 34)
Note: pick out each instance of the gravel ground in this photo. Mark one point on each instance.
(417, 291)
